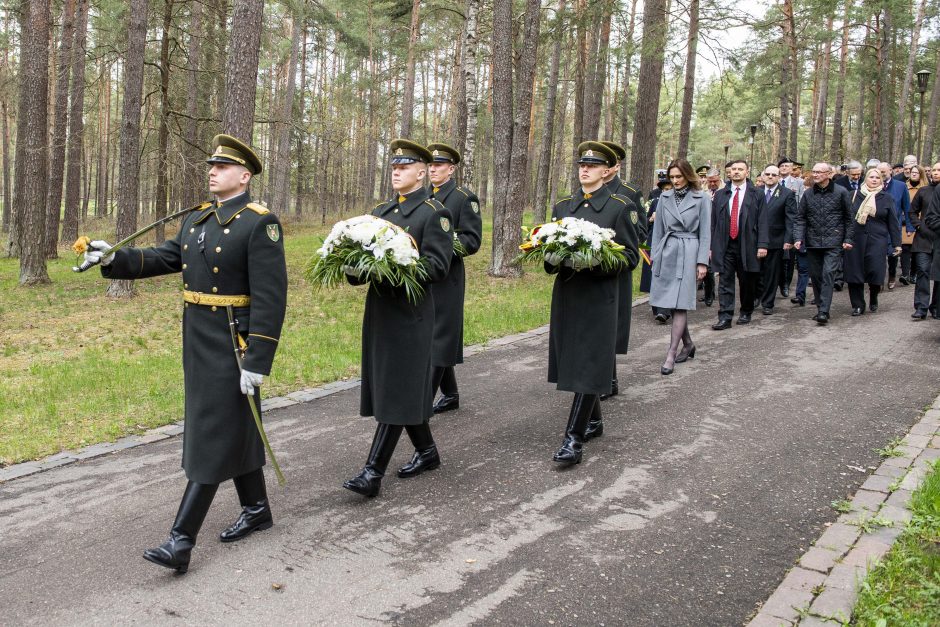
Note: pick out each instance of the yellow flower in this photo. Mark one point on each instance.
(81, 244)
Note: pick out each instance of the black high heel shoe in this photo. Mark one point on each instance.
(683, 356)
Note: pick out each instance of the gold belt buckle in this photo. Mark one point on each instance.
(196, 297)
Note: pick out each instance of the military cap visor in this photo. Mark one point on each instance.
(442, 153)
(405, 152)
(227, 149)
(619, 150)
(785, 160)
(596, 152)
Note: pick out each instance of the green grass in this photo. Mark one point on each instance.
(79, 368)
(904, 589)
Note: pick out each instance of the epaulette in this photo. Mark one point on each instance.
(561, 200)
(203, 206)
(258, 208)
(379, 205)
(630, 187)
(437, 206)
(618, 198)
(463, 191)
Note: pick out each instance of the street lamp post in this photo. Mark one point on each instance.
(923, 77)
(753, 132)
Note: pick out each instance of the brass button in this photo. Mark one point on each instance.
(218, 249)
(192, 230)
(214, 290)
(238, 215)
(185, 246)
(396, 211)
(226, 231)
(185, 304)
(184, 266)
(215, 269)
(186, 286)
(214, 307)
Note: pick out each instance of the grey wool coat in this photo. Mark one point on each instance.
(681, 240)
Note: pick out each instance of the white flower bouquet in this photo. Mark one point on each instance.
(377, 249)
(572, 242)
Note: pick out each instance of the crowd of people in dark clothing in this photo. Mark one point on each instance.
(835, 227)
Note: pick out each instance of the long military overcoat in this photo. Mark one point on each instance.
(638, 229)
(681, 240)
(464, 208)
(583, 330)
(235, 248)
(397, 334)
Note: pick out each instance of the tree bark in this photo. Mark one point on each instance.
(32, 163)
(546, 149)
(193, 174)
(688, 90)
(822, 101)
(471, 45)
(408, 100)
(280, 182)
(76, 143)
(879, 139)
(163, 134)
(930, 131)
(300, 136)
(906, 87)
(502, 135)
(241, 69)
(652, 55)
(628, 72)
(59, 126)
(128, 191)
(7, 187)
(836, 151)
(795, 76)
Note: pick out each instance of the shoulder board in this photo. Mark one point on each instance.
(630, 187)
(463, 191)
(258, 208)
(561, 200)
(203, 206)
(436, 205)
(618, 198)
(379, 205)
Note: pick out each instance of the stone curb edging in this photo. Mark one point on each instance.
(15, 471)
(823, 588)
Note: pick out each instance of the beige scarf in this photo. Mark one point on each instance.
(867, 208)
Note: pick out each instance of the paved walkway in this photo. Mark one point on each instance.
(707, 486)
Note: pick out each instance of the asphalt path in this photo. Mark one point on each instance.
(705, 488)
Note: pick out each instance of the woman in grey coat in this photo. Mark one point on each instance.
(681, 241)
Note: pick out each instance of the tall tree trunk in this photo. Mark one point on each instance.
(836, 152)
(32, 163)
(649, 85)
(128, 182)
(59, 126)
(163, 135)
(628, 72)
(469, 61)
(502, 135)
(879, 139)
(785, 71)
(580, 81)
(281, 175)
(822, 102)
(597, 66)
(7, 187)
(408, 100)
(551, 93)
(906, 87)
(795, 76)
(301, 136)
(241, 69)
(73, 172)
(558, 167)
(193, 174)
(927, 154)
(688, 90)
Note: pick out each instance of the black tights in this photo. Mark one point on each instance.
(680, 331)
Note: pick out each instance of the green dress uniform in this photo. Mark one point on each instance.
(583, 330)
(464, 207)
(229, 253)
(638, 230)
(397, 335)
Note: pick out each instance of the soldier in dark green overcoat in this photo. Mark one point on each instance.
(639, 226)
(397, 335)
(464, 207)
(583, 330)
(231, 254)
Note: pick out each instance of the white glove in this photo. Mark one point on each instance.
(352, 271)
(250, 381)
(582, 261)
(97, 252)
(553, 259)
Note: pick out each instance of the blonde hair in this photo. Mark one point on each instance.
(877, 171)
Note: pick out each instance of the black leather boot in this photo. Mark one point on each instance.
(449, 399)
(175, 552)
(595, 427)
(447, 402)
(256, 511)
(369, 480)
(425, 457)
(614, 387)
(581, 408)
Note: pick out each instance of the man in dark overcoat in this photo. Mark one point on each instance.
(638, 223)
(464, 207)
(924, 254)
(583, 323)
(231, 254)
(736, 215)
(397, 334)
(774, 234)
(824, 223)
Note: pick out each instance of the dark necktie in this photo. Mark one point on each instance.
(734, 214)
(767, 197)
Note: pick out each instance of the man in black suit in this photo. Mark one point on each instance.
(736, 213)
(852, 177)
(774, 234)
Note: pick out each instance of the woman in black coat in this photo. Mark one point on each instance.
(877, 226)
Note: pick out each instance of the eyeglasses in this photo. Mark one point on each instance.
(771, 174)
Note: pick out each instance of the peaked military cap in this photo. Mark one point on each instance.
(596, 152)
(406, 151)
(442, 153)
(619, 150)
(785, 160)
(702, 170)
(227, 149)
